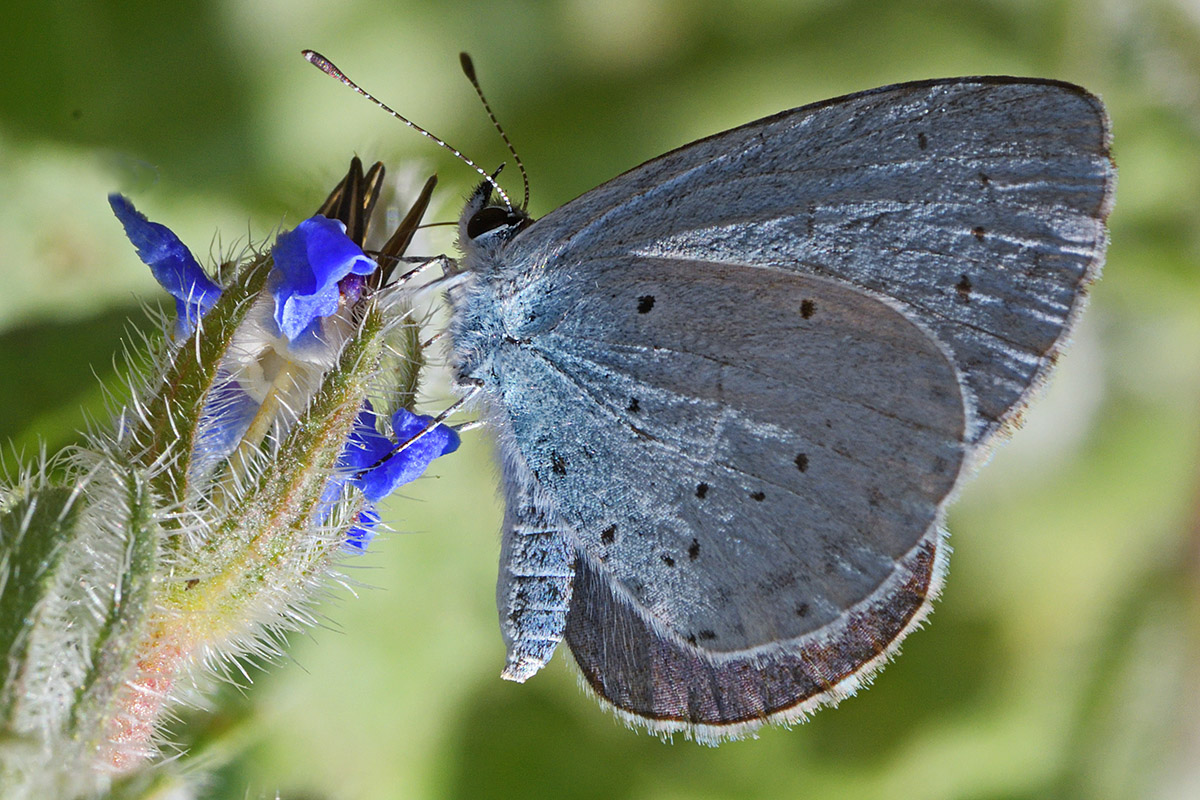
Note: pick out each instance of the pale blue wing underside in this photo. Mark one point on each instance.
(742, 481)
(741, 381)
(979, 204)
(738, 492)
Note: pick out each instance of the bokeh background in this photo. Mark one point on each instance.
(1064, 657)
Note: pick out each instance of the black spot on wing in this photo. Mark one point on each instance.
(558, 464)
(701, 490)
(634, 406)
(807, 307)
(758, 496)
(802, 462)
(694, 550)
(645, 303)
(922, 141)
(670, 562)
(963, 287)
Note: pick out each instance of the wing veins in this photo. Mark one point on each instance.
(636, 348)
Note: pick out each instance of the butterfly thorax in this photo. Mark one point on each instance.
(492, 308)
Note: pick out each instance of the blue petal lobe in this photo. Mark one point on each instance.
(363, 530)
(366, 445)
(370, 462)
(407, 464)
(170, 261)
(309, 262)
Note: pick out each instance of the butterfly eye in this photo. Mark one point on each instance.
(493, 217)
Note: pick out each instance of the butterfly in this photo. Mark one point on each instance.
(734, 389)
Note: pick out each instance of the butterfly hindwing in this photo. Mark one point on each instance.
(738, 492)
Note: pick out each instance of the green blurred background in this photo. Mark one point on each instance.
(1064, 657)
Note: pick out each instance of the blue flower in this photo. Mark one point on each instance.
(309, 263)
(173, 265)
(317, 269)
(363, 530)
(372, 462)
(313, 264)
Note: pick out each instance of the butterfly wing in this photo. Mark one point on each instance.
(977, 203)
(751, 462)
(745, 376)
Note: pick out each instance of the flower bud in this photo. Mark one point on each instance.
(248, 462)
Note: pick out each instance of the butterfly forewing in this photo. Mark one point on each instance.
(977, 204)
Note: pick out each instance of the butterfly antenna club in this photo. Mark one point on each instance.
(468, 68)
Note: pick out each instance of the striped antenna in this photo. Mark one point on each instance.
(468, 68)
(325, 65)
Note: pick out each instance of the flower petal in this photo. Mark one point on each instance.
(381, 479)
(366, 445)
(369, 461)
(363, 530)
(309, 262)
(170, 261)
(228, 413)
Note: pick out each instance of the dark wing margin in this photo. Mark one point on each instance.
(649, 677)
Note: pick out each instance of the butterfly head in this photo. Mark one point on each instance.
(486, 223)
